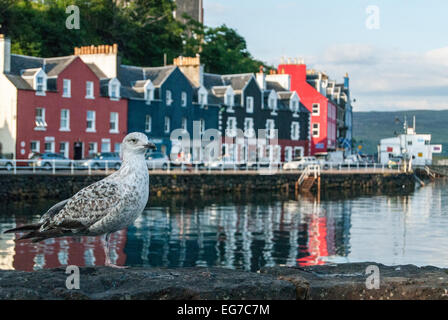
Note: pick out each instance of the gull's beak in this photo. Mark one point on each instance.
(150, 146)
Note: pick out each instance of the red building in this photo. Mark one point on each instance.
(323, 111)
(60, 105)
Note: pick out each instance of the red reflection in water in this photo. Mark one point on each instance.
(53, 253)
(317, 242)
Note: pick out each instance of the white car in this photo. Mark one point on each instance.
(157, 160)
(299, 163)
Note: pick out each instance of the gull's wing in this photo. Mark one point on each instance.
(86, 207)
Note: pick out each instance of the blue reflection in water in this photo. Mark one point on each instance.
(249, 232)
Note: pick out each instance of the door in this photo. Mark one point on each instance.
(77, 150)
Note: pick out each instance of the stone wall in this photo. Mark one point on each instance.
(327, 282)
(18, 187)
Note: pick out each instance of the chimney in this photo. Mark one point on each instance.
(346, 81)
(191, 67)
(5, 54)
(105, 57)
(261, 79)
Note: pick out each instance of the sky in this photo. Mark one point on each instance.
(395, 51)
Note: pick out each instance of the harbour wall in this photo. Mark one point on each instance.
(27, 186)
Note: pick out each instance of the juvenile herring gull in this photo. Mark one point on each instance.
(105, 206)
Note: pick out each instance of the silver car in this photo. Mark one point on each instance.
(157, 160)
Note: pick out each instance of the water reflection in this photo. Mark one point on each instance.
(250, 232)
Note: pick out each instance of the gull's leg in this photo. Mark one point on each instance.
(106, 246)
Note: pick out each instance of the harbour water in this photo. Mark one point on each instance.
(249, 232)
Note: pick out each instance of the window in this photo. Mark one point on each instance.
(114, 91)
(184, 124)
(249, 127)
(168, 97)
(63, 149)
(249, 104)
(65, 120)
(149, 94)
(229, 99)
(66, 88)
(294, 106)
(270, 128)
(93, 147)
(49, 146)
(409, 143)
(202, 98)
(117, 147)
(316, 130)
(184, 99)
(148, 123)
(167, 125)
(113, 124)
(316, 109)
(89, 90)
(90, 121)
(39, 119)
(231, 127)
(35, 146)
(295, 130)
(40, 84)
(105, 145)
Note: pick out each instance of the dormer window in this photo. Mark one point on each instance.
(202, 96)
(229, 97)
(39, 79)
(114, 89)
(149, 91)
(272, 101)
(294, 104)
(40, 84)
(66, 91)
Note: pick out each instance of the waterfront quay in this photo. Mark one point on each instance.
(28, 185)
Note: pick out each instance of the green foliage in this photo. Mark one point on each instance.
(144, 30)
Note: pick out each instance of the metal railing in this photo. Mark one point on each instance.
(54, 166)
(312, 169)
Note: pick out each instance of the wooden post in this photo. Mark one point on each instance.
(318, 189)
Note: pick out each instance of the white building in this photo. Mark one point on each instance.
(408, 145)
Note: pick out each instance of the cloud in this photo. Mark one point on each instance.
(388, 79)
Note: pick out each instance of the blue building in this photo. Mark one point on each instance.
(162, 99)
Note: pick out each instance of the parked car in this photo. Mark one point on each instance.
(299, 163)
(48, 160)
(157, 160)
(6, 164)
(225, 163)
(101, 160)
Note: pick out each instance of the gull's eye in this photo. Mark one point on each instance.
(134, 141)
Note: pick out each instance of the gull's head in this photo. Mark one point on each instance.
(136, 143)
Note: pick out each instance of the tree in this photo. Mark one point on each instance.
(145, 30)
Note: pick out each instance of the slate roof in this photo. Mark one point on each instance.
(274, 85)
(27, 66)
(133, 79)
(237, 81)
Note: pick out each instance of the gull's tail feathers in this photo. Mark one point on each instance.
(28, 227)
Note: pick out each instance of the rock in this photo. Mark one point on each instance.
(348, 281)
(145, 283)
(343, 281)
